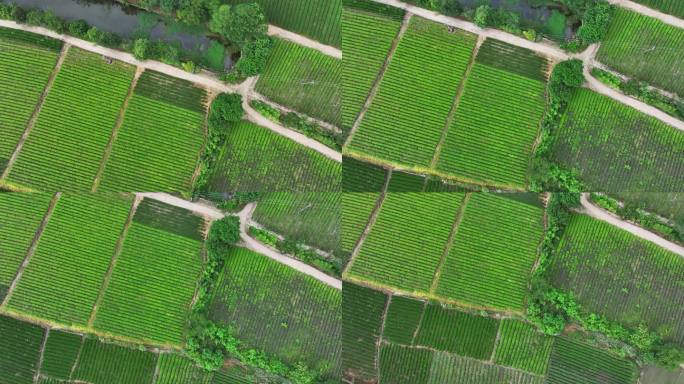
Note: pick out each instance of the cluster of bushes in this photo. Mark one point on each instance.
(546, 175)
(550, 309)
(595, 22)
(300, 124)
(641, 90)
(297, 250)
(225, 110)
(144, 49)
(638, 215)
(237, 201)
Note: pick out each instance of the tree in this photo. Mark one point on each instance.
(54, 22)
(239, 23)
(169, 54)
(226, 108)
(18, 13)
(595, 23)
(254, 56)
(168, 5)
(192, 12)
(481, 18)
(223, 233)
(78, 28)
(568, 73)
(141, 49)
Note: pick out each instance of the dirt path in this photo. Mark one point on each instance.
(650, 12)
(204, 79)
(597, 86)
(36, 111)
(207, 211)
(304, 41)
(245, 217)
(598, 213)
(284, 110)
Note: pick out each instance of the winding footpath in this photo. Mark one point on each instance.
(603, 215)
(247, 241)
(205, 79)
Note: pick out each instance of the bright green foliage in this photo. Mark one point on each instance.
(175, 369)
(103, 363)
(309, 218)
(20, 215)
(366, 43)
(402, 319)
(26, 66)
(318, 19)
(405, 182)
(574, 362)
(644, 48)
(304, 79)
(19, 350)
(404, 365)
(625, 278)
(491, 137)
(61, 352)
(458, 332)
(358, 176)
(407, 240)
(151, 287)
(276, 309)
(673, 7)
(159, 141)
(406, 119)
(362, 310)
(63, 278)
(256, 159)
(356, 210)
(65, 147)
(493, 253)
(630, 151)
(522, 346)
(448, 368)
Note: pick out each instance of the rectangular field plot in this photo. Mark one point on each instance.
(159, 142)
(19, 350)
(366, 43)
(317, 19)
(103, 363)
(362, 311)
(304, 79)
(522, 346)
(60, 354)
(256, 159)
(575, 362)
(646, 49)
(63, 278)
(404, 365)
(407, 116)
(175, 369)
(491, 137)
(279, 310)
(358, 176)
(26, 61)
(625, 278)
(152, 286)
(630, 152)
(309, 218)
(448, 368)
(402, 319)
(20, 215)
(407, 241)
(66, 145)
(356, 210)
(494, 249)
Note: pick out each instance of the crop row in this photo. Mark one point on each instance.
(356, 210)
(674, 7)
(523, 347)
(358, 176)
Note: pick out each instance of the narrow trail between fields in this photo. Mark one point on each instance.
(304, 41)
(650, 12)
(205, 79)
(284, 110)
(248, 242)
(597, 86)
(603, 215)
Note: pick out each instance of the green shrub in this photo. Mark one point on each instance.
(254, 56)
(595, 22)
(189, 66)
(239, 23)
(78, 28)
(226, 108)
(266, 110)
(142, 49)
(607, 78)
(17, 13)
(5, 11)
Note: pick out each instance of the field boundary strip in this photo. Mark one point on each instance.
(115, 130)
(112, 263)
(378, 342)
(650, 12)
(32, 248)
(420, 323)
(36, 111)
(78, 357)
(324, 124)
(600, 214)
(369, 225)
(211, 95)
(41, 355)
(378, 79)
(304, 41)
(450, 242)
(155, 376)
(496, 342)
(457, 100)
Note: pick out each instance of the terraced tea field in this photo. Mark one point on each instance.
(628, 152)
(358, 176)
(280, 311)
(304, 79)
(19, 350)
(673, 7)
(623, 277)
(366, 43)
(26, 62)
(407, 116)
(356, 210)
(522, 346)
(256, 159)
(646, 49)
